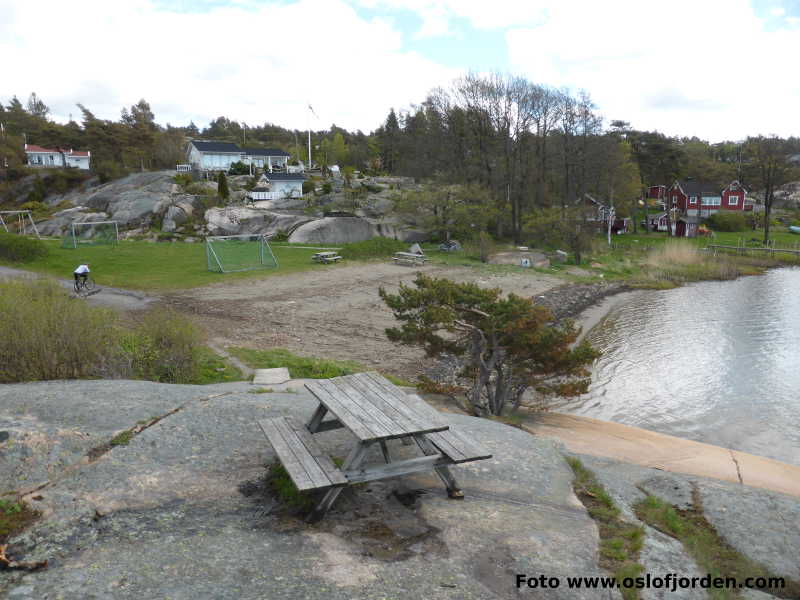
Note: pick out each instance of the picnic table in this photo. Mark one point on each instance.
(409, 258)
(374, 410)
(326, 257)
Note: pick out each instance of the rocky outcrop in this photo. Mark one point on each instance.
(241, 220)
(61, 220)
(334, 230)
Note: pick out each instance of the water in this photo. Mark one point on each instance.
(716, 362)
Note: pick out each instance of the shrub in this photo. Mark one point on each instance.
(482, 247)
(107, 170)
(280, 236)
(327, 187)
(16, 248)
(183, 179)
(727, 221)
(309, 187)
(164, 347)
(372, 248)
(239, 168)
(44, 334)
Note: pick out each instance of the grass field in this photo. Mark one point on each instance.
(149, 266)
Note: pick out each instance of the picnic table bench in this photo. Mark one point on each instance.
(409, 258)
(374, 410)
(326, 257)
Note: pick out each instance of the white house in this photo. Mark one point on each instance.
(57, 157)
(265, 158)
(219, 156)
(213, 156)
(274, 186)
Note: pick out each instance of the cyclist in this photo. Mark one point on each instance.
(82, 271)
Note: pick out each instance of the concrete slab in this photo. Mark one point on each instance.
(271, 376)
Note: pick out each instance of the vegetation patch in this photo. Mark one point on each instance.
(14, 517)
(303, 367)
(17, 248)
(620, 542)
(122, 439)
(281, 485)
(711, 553)
(376, 247)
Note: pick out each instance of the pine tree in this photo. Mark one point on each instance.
(222, 186)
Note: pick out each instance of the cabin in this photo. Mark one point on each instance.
(275, 186)
(265, 158)
(656, 221)
(686, 226)
(212, 156)
(694, 198)
(597, 212)
(57, 157)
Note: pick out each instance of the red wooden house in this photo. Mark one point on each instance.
(693, 198)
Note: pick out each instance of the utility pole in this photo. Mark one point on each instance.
(309, 135)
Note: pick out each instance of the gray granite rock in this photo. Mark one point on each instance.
(182, 511)
(333, 230)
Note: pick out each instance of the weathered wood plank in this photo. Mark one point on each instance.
(351, 421)
(378, 411)
(396, 469)
(307, 465)
(365, 414)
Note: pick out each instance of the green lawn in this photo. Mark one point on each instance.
(150, 266)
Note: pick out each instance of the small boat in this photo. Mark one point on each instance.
(794, 229)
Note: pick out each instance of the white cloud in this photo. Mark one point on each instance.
(257, 63)
(685, 68)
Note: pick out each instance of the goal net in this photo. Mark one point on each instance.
(19, 221)
(229, 253)
(91, 233)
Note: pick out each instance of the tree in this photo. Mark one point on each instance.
(36, 107)
(222, 186)
(566, 228)
(767, 168)
(508, 345)
(447, 210)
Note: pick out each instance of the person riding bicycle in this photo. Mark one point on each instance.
(82, 271)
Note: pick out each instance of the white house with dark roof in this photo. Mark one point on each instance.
(57, 157)
(274, 186)
(219, 156)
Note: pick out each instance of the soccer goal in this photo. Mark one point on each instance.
(91, 233)
(17, 219)
(229, 253)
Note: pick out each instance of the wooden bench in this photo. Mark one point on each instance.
(407, 258)
(308, 466)
(326, 257)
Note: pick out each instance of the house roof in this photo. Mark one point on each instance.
(32, 148)
(77, 153)
(265, 152)
(698, 188)
(223, 147)
(689, 219)
(284, 177)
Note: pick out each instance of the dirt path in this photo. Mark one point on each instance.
(332, 312)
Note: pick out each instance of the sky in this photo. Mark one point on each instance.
(715, 69)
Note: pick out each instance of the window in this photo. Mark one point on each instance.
(733, 200)
(674, 200)
(711, 201)
(692, 199)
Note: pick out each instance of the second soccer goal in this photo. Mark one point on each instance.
(230, 253)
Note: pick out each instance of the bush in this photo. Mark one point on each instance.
(183, 179)
(164, 347)
(327, 187)
(309, 187)
(108, 170)
(727, 221)
(239, 168)
(482, 247)
(16, 248)
(45, 334)
(280, 236)
(373, 248)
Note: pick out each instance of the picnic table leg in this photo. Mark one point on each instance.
(353, 460)
(385, 452)
(453, 491)
(316, 418)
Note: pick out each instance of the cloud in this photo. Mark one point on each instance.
(718, 75)
(256, 62)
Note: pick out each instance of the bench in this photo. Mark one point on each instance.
(326, 257)
(407, 258)
(449, 442)
(308, 466)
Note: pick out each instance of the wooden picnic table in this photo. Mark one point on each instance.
(374, 410)
(409, 258)
(326, 257)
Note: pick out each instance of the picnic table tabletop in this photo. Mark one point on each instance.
(372, 407)
(409, 255)
(325, 254)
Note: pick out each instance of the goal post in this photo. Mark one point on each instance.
(231, 253)
(91, 233)
(23, 226)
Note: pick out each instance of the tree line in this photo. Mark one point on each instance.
(514, 147)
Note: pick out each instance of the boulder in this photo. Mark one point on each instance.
(334, 230)
(235, 220)
(395, 231)
(59, 223)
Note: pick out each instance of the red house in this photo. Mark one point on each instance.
(694, 198)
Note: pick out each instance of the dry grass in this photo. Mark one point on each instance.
(681, 261)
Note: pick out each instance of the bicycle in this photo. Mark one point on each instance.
(84, 287)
